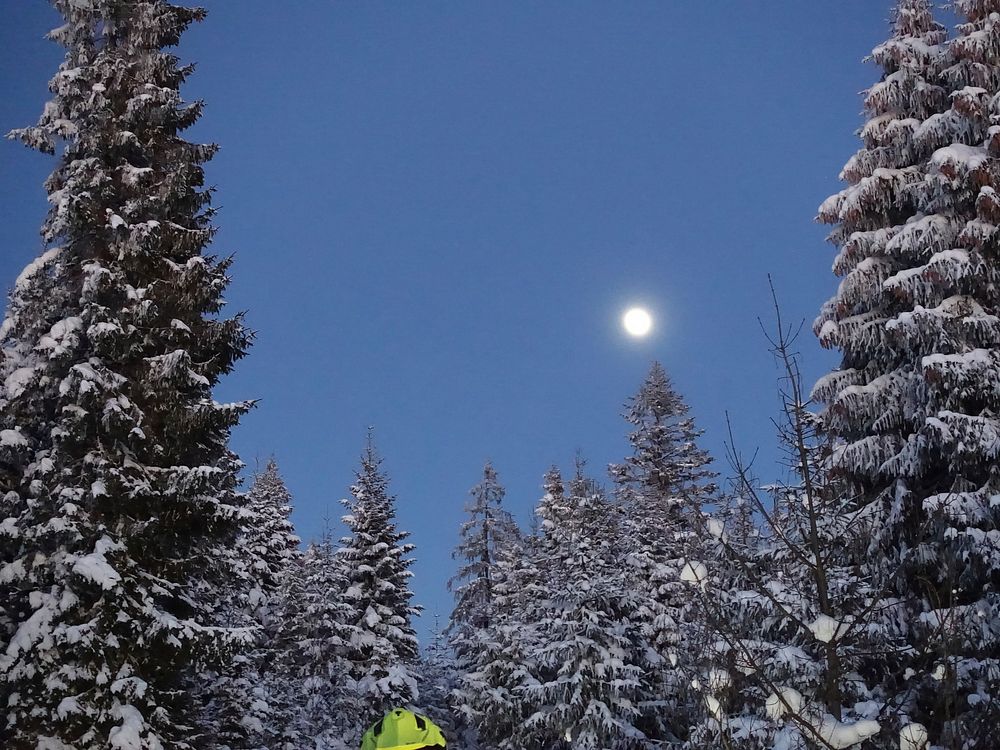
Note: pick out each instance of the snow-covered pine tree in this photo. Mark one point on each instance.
(584, 684)
(915, 400)
(489, 696)
(666, 466)
(488, 534)
(439, 677)
(381, 648)
(268, 541)
(661, 489)
(309, 679)
(247, 701)
(120, 510)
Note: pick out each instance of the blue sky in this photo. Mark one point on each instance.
(439, 212)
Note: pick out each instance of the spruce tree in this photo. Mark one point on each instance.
(662, 486)
(439, 676)
(310, 677)
(268, 542)
(120, 507)
(489, 696)
(381, 649)
(486, 536)
(661, 489)
(584, 684)
(246, 701)
(914, 402)
(666, 467)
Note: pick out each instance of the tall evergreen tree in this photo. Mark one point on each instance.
(493, 676)
(486, 536)
(119, 506)
(267, 541)
(662, 488)
(246, 701)
(310, 677)
(914, 401)
(666, 465)
(439, 676)
(381, 647)
(585, 673)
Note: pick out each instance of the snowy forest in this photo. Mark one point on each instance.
(151, 599)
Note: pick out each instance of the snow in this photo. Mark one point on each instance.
(174, 364)
(8, 527)
(828, 331)
(694, 572)
(133, 175)
(92, 274)
(104, 328)
(32, 630)
(128, 734)
(913, 737)
(839, 735)
(18, 381)
(713, 706)
(960, 153)
(95, 567)
(975, 356)
(718, 679)
(130, 687)
(826, 629)
(51, 743)
(716, 528)
(787, 699)
(67, 707)
(12, 439)
(35, 266)
(831, 206)
(60, 336)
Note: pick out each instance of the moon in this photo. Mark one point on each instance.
(637, 322)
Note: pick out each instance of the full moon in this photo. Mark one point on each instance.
(637, 322)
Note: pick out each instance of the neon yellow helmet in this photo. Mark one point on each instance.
(402, 730)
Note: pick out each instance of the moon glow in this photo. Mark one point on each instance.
(637, 322)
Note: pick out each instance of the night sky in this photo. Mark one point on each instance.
(439, 212)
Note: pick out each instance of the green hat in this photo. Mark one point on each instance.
(402, 730)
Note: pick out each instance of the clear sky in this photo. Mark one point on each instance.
(440, 210)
